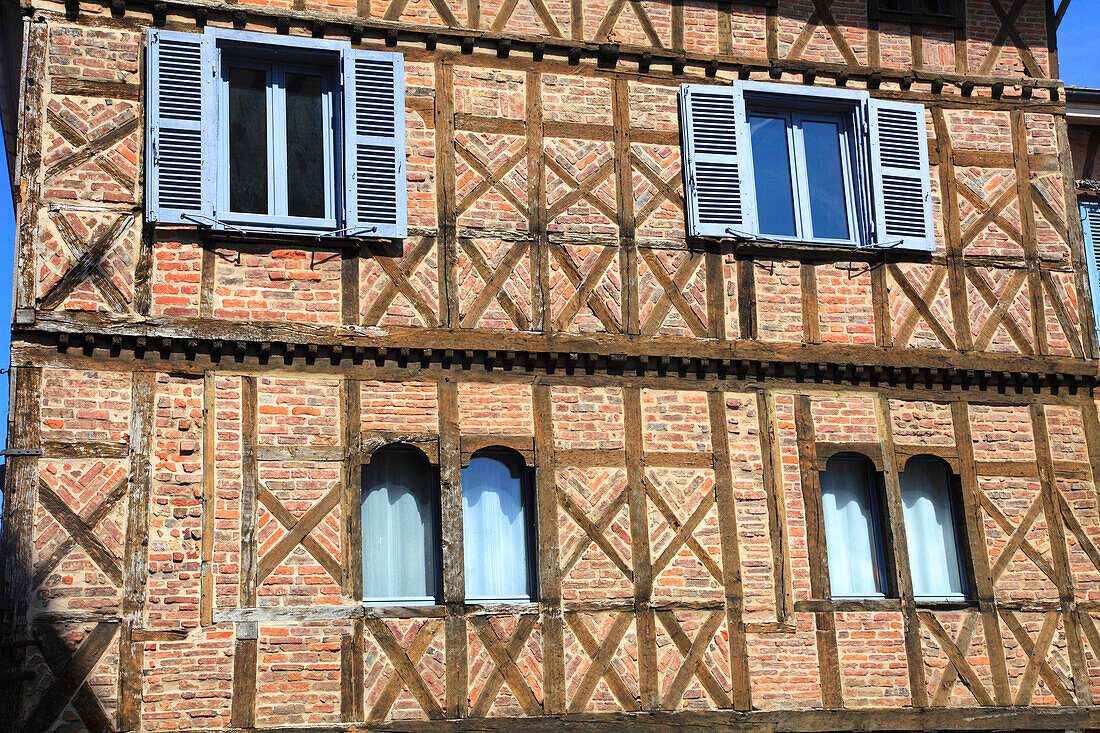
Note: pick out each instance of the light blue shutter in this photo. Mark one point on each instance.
(1090, 221)
(374, 135)
(180, 115)
(900, 176)
(720, 198)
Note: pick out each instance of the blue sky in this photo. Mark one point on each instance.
(1077, 55)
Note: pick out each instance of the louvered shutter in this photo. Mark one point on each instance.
(900, 176)
(180, 115)
(720, 200)
(1090, 221)
(374, 154)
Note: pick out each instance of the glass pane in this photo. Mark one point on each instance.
(248, 141)
(936, 7)
(849, 528)
(399, 527)
(494, 529)
(305, 151)
(825, 177)
(930, 529)
(771, 164)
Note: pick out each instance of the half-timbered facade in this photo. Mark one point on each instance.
(844, 477)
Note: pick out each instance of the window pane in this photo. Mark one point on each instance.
(850, 528)
(399, 521)
(494, 525)
(248, 141)
(936, 7)
(930, 529)
(305, 150)
(771, 163)
(825, 176)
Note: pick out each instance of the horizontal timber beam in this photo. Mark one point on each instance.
(646, 61)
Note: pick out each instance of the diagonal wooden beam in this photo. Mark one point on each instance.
(403, 665)
(419, 646)
(110, 501)
(58, 656)
(999, 305)
(298, 532)
(88, 265)
(92, 149)
(398, 272)
(989, 214)
(921, 307)
(505, 661)
(583, 293)
(486, 273)
(673, 289)
(683, 530)
(608, 22)
(311, 545)
(1008, 20)
(665, 190)
(494, 284)
(84, 535)
(646, 24)
(1037, 664)
(71, 678)
(491, 179)
(493, 683)
(581, 189)
(76, 138)
(1008, 28)
(966, 672)
(594, 532)
(600, 528)
(1017, 538)
(951, 675)
(1069, 328)
(600, 664)
(694, 665)
(609, 320)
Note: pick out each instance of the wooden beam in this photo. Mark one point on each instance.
(731, 556)
(549, 554)
(135, 558)
(645, 621)
(454, 581)
(243, 709)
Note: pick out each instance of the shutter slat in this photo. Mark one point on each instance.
(179, 114)
(715, 163)
(374, 158)
(899, 168)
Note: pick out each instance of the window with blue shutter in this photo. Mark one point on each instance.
(269, 133)
(1090, 221)
(805, 165)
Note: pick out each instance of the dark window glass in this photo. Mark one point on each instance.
(400, 532)
(248, 141)
(305, 151)
(772, 170)
(825, 176)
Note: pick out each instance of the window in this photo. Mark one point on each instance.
(805, 165)
(269, 133)
(400, 512)
(934, 12)
(1090, 221)
(497, 531)
(853, 518)
(932, 530)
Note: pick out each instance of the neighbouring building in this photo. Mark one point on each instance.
(531, 364)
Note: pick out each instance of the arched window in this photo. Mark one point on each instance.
(932, 529)
(853, 528)
(400, 528)
(497, 535)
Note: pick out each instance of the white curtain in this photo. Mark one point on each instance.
(930, 529)
(494, 524)
(853, 551)
(399, 528)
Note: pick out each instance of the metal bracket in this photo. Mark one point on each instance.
(21, 452)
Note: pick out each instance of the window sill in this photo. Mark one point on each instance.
(264, 236)
(828, 252)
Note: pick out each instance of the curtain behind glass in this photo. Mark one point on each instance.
(930, 529)
(850, 529)
(494, 529)
(399, 528)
